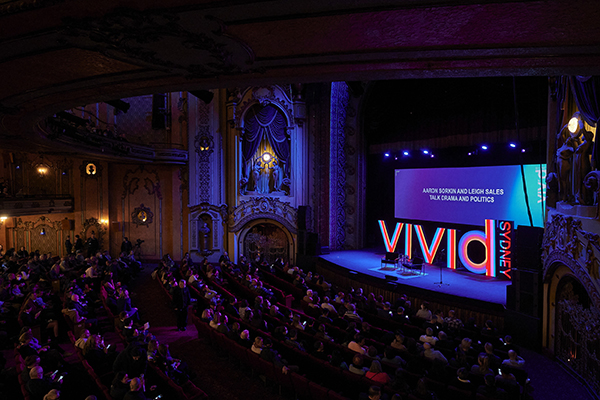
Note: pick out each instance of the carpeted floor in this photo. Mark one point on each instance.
(217, 376)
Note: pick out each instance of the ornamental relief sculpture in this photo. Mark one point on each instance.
(263, 207)
(566, 242)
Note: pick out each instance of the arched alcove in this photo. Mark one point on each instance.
(573, 326)
(266, 240)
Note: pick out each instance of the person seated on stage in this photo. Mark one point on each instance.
(454, 325)
(424, 312)
(483, 365)
(514, 360)
(428, 337)
(429, 352)
(357, 365)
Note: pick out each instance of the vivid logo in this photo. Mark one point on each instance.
(487, 238)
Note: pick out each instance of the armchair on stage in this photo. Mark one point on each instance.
(390, 258)
(415, 265)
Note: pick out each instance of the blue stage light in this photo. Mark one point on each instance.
(432, 156)
(513, 145)
(484, 147)
(405, 153)
(522, 150)
(387, 154)
(425, 151)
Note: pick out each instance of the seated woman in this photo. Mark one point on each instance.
(483, 366)
(376, 373)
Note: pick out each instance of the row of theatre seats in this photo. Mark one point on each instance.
(154, 375)
(318, 379)
(106, 322)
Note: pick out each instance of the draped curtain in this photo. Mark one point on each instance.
(586, 90)
(270, 124)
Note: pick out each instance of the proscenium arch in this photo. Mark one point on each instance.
(241, 235)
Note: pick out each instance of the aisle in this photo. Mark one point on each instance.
(216, 376)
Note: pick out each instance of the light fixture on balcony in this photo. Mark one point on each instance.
(42, 169)
(267, 157)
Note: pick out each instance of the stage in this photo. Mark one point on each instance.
(461, 283)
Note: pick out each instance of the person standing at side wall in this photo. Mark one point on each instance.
(181, 301)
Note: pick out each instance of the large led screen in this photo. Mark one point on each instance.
(470, 195)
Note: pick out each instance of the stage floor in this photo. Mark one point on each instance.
(458, 283)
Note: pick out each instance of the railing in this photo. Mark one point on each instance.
(70, 133)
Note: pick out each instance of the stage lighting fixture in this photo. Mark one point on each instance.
(387, 154)
(425, 151)
(513, 145)
(267, 157)
(470, 153)
(522, 150)
(395, 158)
(119, 105)
(484, 147)
(432, 156)
(405, 153)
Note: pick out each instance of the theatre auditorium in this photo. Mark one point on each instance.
(330, 200)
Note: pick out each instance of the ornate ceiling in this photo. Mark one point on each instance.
(57, 54)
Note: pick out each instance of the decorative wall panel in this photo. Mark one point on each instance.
(337, 168)
(141, 186)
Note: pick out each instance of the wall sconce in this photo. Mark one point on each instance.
(104, 221)
(42, 169)
(2, 220)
